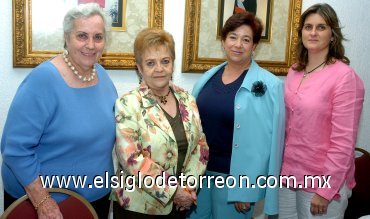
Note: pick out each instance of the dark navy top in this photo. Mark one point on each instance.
(216, 108)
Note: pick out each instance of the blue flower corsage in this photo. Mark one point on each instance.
(259, 88)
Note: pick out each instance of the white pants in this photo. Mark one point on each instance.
(295, 204)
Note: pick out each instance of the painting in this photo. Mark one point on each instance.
(261, 8)
(37, 37)
(116, 9)
(202, 50)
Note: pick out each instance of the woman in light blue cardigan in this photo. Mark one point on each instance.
(242, 111)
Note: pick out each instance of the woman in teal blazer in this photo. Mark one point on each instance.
(240, 98)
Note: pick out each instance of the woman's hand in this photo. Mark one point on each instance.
(49, 210)
(46, 207)
(242, 207)
(193, 194)
(184, 199)
(319, 205)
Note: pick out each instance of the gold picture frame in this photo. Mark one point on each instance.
(25, 54)
(116, 9)
(119, 21)
(226, 9)
(202, 51)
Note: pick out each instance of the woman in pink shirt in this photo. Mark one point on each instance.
(323, 98)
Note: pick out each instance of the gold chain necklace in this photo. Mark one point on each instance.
(305, 73)
(75, 72)
(163, 98)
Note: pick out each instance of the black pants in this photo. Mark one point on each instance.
(120, 213)
(8, 200)
(101, 206)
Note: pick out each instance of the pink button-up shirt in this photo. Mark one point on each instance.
(322, 117)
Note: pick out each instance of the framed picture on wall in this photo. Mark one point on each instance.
(116, 9)
(261, 8)
(37, 38)
(202, 50)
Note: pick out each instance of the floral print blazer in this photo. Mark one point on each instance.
(146, 144)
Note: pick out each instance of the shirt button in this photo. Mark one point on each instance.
(237, 126)
(236, 145)
(238, 107)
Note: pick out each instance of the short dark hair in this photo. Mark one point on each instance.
(336, 48)
(239, 19)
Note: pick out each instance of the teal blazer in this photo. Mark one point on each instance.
(258, 139)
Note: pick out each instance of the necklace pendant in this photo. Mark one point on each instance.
(163, 99)
(164, 102)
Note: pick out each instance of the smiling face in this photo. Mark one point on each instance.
(156, 68)
(85, 43)
(316, 34)
(239, 45)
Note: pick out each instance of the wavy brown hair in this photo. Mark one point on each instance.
(336, 48)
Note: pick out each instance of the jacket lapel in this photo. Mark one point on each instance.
(188, 122)
(154, 111)
(205, 78)
(251, 77)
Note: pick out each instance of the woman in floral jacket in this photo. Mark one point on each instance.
(159, 136)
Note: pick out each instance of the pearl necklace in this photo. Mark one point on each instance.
(75, 72)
